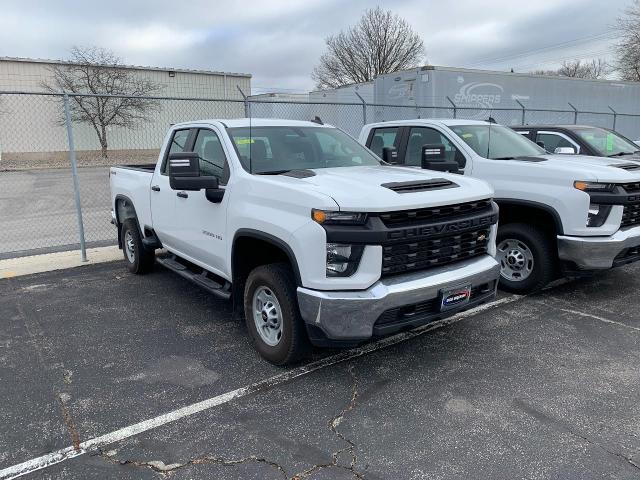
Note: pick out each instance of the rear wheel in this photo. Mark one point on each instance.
(527, 258)
(272, 316)
(139, 259)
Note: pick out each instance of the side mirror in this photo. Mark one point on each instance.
(184, 173)
(565, 150)
(540, 144)
(434, 158)
(390, 154)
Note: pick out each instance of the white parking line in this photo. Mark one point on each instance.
(595, 317)
(93, 444)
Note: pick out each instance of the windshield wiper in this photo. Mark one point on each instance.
(504, 158)
(620, 154)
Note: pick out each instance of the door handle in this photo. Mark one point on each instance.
(182, 194)
(155, 188)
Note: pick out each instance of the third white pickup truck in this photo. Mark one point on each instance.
(308, 231)
(558, 213)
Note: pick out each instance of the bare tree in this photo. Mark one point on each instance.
(628, 48)
(381, 42)
(593, 69)
(99, 71)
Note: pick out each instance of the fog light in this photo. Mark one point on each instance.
(598, 214)
(343, 260)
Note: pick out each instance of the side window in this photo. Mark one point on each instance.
(552, 141)
(419, 136)
(383, 137)
(212, 158)
(178, 144)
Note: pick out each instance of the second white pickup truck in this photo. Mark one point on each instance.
(558, 213)
(308, 231)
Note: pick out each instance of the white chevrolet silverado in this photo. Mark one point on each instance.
(559, 214)
(308, 231)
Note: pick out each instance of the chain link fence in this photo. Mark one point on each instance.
(39, 212)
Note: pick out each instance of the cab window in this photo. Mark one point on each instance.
(383, 137)
(213, 162)
(420, 136)
(178, 144)
(552, 141)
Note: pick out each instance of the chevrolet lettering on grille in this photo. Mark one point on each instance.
(442, 229)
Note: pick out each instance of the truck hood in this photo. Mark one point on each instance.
(583, 167)
(361, 188)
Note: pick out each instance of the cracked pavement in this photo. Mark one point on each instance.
(544, 387)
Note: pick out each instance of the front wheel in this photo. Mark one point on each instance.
(139, 258)
(527, 258)
(272, 316)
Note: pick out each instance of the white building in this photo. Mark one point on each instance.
(39, 115)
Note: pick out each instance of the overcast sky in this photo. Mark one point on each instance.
(279, 41)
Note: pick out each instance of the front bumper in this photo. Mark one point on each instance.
(395, 303)
(597, 253)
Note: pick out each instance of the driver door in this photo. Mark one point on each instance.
(203, 223)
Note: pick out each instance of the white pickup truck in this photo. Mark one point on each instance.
(308, 231)
(558, 213)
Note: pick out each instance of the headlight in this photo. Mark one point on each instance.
(598, 214)
(343, 260)
(338, 218)
(594, 186)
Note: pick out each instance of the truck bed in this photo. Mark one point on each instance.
(143, 167)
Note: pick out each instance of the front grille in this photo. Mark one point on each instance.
(419, 255)
(631, 187)
(408, 217)
(630, 215)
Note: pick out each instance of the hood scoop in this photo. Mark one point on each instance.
(299, 173)
(420, 185)
(628, 166)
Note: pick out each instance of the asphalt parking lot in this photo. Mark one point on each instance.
(544, 386)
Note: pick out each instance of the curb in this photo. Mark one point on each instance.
(17, 267)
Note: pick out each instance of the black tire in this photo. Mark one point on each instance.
(293, 344)
(541, 246)
(142, 257)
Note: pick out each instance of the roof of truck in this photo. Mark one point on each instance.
(566, 127)
(450, 122)
(256, 122)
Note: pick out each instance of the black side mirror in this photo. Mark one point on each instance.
(540, 144)
(434, 158)
(184, 173)
(390, 154)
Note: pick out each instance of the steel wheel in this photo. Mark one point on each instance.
(267, 315)
(130, 246)
(516, 260)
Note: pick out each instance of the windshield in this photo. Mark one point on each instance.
(265, 150)
(605, 142)
(496, 142)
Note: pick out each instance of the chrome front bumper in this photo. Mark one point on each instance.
(352, 315)
(597, 253)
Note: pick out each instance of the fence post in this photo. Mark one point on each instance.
(247, 107)
(524, 111)
(575, 114)
(455, 107)
(615, 115)
(74, 174)
(364, 109)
